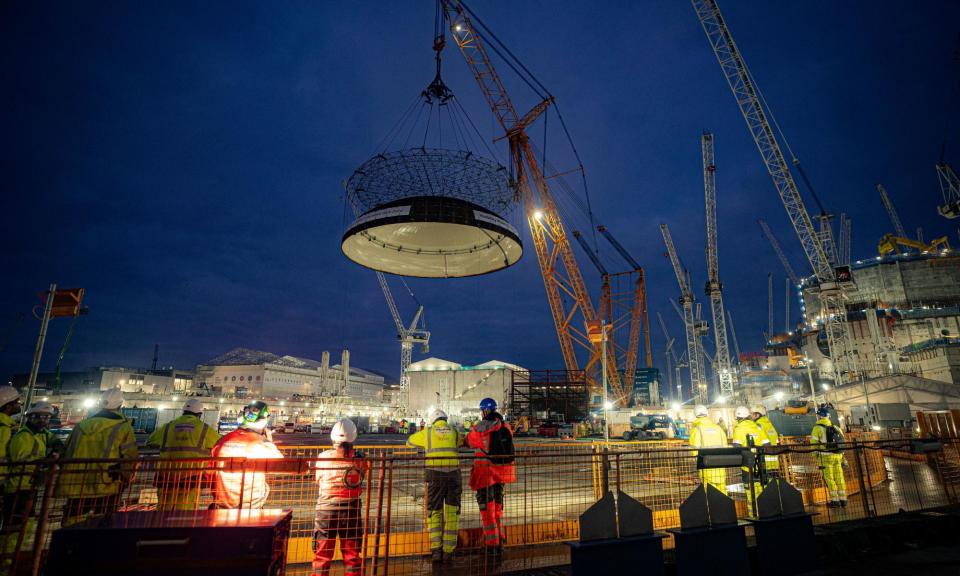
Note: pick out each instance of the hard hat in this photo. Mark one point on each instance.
(758, 409)
(343, 431)
(194, 406)
(437, 415)
(111, 399)
(8, 394)
(488, 404)
(700, 410)
(255, 412)
(741, 412)
(823, 412)
(40, 408)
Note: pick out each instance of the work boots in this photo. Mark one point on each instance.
(436, 556)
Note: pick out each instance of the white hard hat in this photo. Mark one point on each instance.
(437, 415)
(111, 399)
(193, 405)
(742, 412)
(8, 394)
(41, 408)
(700, 410)
(343, 431)
(759, 409)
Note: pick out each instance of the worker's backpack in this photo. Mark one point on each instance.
(833, 437)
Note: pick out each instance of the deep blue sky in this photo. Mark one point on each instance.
(182, 161)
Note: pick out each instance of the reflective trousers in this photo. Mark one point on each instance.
(340, 518)
(490, 500)
(831, 465)
(753, 494)
(716, 477)
(444, 490)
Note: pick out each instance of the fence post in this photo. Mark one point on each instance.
(857, 449)
(39, 537)
(378, 526)
(386, 555)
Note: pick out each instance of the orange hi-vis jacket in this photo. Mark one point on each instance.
(493, 464)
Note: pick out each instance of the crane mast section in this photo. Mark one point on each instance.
(723, 367)
(698, 382)
(779, 251)
(558, 266)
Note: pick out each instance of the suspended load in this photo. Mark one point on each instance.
(431, 213)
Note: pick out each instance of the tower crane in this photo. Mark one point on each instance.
(950, 188)
(817, 247)
(640, 319)
(891, 211)
(779, 251)
(698, 382)
(408, 336)
(733, 335)
(714, 289)
(576, 321)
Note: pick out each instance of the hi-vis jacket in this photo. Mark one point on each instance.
(440, 442)
(767, 426)
(26, 446)
(7, 428)
(705, 433)
(248, 486)
(106, 434)
(185, 437)
(494, 455)
(339, 475)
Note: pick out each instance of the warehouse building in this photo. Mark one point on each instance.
(455, 388)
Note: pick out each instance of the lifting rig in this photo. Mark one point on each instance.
(714, 288)
(698, 381)
(577, 322)
(817, 246)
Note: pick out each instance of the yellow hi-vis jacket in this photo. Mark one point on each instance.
(106, 434)
(25, 446)
(749, 433)
(185, 437)
(818, 436)
(767, 426)
(7, 429)
(440, 442)
(705, 433)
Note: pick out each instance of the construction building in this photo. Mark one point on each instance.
(242, 372)
(455, 388)
(903, 316)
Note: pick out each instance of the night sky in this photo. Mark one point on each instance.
(183, 161)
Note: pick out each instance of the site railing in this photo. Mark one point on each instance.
(555, 483)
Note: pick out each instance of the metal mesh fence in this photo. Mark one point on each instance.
(387, 521)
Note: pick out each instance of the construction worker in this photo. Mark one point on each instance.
(704, 433)
(9, 407)
(31, 443)
(771, 461)
(95, 488)
(339, 477)
(247, 488)
(492, 468)
(827, 437)
(747, 434)
(187, 437)
(440, 442)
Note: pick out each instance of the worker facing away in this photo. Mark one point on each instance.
(185, 438)
(772, 461)
(748, 434)
(441, 442)
(95, 488)
(339, 476)
(31, 443)
(247, 488)
(492, 468)
(827, 438)
(705, 433)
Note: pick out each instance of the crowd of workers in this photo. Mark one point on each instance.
(102, 441)
(754, 429)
